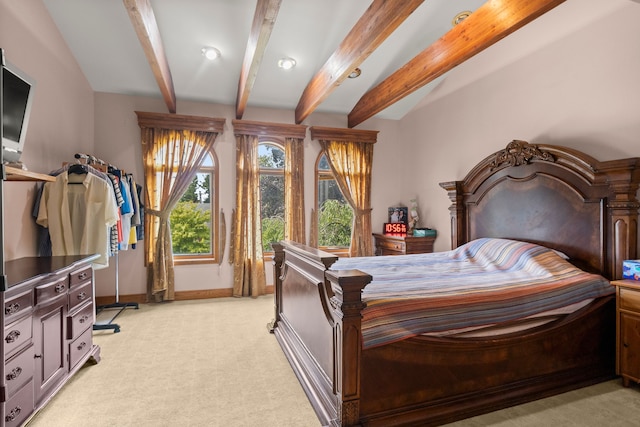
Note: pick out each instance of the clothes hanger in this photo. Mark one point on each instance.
(77, 168)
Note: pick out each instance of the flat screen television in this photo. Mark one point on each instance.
(17, 99)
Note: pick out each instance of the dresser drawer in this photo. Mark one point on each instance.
(81, 276)
(17, 305)
(78, 295)
(79, 321)
(629, 299)
(80, 347)
(19, 370)
(51, 290)
(17, 334)
(20, 406)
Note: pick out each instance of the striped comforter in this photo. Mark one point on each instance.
(484, 282)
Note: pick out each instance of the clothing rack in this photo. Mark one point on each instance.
(117, 306)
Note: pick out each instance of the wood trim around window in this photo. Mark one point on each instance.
(180, 122)
(347, 135)
(271, 130)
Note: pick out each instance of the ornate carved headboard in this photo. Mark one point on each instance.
(554, 196)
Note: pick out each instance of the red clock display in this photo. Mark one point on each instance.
(395, 228)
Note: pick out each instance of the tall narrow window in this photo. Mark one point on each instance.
(193, 231)
(271, 159)
(335, 216)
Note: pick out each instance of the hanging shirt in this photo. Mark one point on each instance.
(79, 216)
(126, 212)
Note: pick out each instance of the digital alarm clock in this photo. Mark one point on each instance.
(395, 228)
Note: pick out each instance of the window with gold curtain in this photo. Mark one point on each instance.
(294, 190)
(350, 156)
(248, 264)
(173, 148)
(248, 267)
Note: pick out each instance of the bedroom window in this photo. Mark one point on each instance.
(335, 216)
(271, 159)
(193, 231)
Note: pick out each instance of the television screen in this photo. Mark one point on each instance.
(17, 96)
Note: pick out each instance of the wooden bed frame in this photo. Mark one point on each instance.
(550, 195)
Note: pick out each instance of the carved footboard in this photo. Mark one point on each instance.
(315, 308)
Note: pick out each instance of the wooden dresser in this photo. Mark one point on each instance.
(628, 330)
(47, 321)
(387, 244)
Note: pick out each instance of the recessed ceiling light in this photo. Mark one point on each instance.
(460, 17)
(355, 73)
(287, 63)
(210, 53)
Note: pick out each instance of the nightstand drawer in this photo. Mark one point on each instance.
(629, 299)
(392, 246)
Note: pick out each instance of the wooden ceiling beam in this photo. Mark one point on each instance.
(263, 21)
(490, 23)
(376, 24)
(146, 27)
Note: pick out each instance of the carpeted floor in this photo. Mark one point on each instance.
(210, 363)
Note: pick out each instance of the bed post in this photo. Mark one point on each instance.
(346, 307)
(278, 258)
(456, 210)
(623, 179)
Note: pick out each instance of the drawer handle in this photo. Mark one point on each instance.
(83, 318)
(13, 414)
(12, 336)
(82, 295)
(12, 308)
(83, 275)
(60, 288)
(14, 374)
(82, 345)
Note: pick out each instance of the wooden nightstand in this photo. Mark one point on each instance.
(387, 244)
(628, 330)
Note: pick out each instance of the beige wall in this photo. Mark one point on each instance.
(569, 78)
(581, 90)
(62, 116)
(118, 140)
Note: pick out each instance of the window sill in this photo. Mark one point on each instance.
(194, 261)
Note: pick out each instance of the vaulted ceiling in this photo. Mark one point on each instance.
(402, 47)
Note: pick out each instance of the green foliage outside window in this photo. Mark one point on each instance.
(271, 161)
(190, 232)
(272, 231)
(191, 219)
(334, 224)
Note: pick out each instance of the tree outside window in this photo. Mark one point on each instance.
(335, 216)
(193, 218)
(271, 160)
